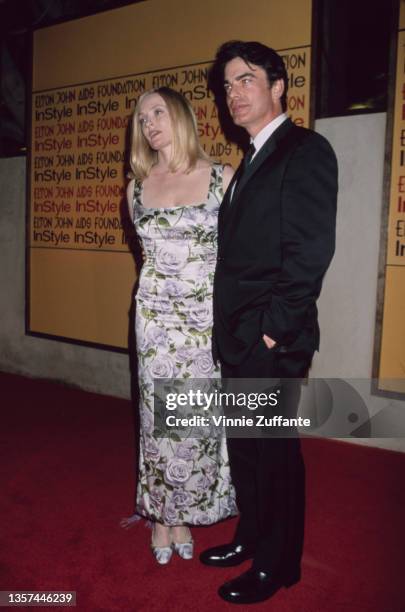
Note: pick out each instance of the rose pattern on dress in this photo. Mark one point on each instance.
(177, 471)
(187, 450)
(156, 335)
(146, 420)
(181, 499)
(170, 514)
(202, 365)
(174, 289)
(151, 449)
(201, 317)
(183, 481)
(163, 367)
(171, 257)
(204, 517)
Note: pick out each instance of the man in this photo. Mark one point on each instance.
(276, 240)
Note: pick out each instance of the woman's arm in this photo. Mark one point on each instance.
(130, 197)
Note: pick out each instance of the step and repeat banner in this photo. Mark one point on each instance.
(87, 77)
(390, 344)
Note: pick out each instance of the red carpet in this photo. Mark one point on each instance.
(67, 478)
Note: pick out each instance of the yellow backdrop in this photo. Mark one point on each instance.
(87, 76)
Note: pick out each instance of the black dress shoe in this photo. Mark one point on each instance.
(226, 555)
(254, 586)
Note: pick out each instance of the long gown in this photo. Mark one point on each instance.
(185, 481)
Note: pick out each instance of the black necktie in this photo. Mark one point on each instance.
(248, 156)
(245, 163)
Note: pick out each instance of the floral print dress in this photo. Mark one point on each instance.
(181, 481)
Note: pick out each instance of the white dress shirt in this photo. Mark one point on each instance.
(266, 132)
(260, 138)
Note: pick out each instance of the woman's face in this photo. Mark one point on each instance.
(155, 122)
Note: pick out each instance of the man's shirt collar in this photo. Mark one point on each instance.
(266, 132)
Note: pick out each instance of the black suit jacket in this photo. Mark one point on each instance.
(276, 239)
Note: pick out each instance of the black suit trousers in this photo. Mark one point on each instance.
(268, 473)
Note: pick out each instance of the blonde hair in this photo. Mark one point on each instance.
(186, 148)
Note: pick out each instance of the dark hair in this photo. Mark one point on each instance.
(252, 53)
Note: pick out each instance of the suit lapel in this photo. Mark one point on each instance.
(267, 149)
(226, 202)
(228, 207)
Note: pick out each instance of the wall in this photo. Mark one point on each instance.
(95, 370)
(346, 307)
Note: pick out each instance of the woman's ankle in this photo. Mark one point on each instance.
(161, 535)
(181, 534)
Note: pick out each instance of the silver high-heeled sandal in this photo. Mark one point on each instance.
(162, 554)
(185, 550)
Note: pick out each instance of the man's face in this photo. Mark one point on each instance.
(251, 101)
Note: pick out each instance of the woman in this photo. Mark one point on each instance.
(174, 201)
